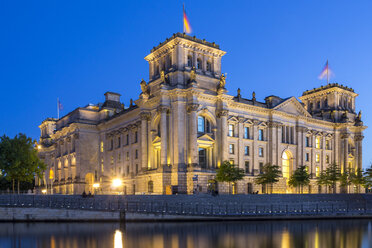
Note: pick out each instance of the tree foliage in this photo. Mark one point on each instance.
(18, 159)
(229, 173)
(269, 175)
(299, 178)
(358, 179)
(368, 177)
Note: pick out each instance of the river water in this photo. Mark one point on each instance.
(305, 233)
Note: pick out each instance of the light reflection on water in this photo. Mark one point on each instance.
(308, 234)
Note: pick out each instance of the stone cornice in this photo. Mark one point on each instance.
(316, 93)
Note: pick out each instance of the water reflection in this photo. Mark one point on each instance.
(309, 234)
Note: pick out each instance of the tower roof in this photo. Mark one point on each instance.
(187, 37)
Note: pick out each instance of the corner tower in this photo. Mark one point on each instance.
(181, 59)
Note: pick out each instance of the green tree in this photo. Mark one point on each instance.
(368, 177)
(269, 175)
(299, 178)
(323, 180)
(357, 179)
(346, 179)
(229, 173)
(333, 173)
(18, 160)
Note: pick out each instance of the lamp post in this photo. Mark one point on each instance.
(96, 187)
(117, 183)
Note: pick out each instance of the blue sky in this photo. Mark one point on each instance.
(78, 50)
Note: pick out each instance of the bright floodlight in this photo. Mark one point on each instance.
(96, 185)
(117, 182)
(44, 191)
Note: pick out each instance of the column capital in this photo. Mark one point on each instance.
(192, 107)
(345, 136)
(241, 119)
(145, 116)
(301, 129)
(163, 109)
(358, 137)
(274, 124)
(222, 113)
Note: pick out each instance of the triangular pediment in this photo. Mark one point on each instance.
(205, 137)
(292, 106)
(156, 139)
(233, 119)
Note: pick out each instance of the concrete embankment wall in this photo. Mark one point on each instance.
(45, 214)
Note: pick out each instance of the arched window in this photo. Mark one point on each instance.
(209, 66)
(326, 103)
(189, 61)
(318, 104)
(199, 64)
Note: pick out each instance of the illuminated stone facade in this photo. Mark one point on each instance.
(185, 124)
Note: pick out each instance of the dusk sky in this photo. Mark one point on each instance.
(78, 50)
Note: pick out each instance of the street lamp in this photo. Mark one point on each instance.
(95, 187)
(117, 182)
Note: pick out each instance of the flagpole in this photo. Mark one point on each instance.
(57, 108)
(183, 13)
(327, 72)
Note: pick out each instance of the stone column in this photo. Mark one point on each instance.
(345, 138)
(164, 135)
(255, 165)
(193, 132)
(224, 150)
(144, 147)
(358, 143)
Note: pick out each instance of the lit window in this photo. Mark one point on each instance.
(317, 172)
(127, 156)
(232, 161)
(260, 152)
(231, 148)
(317, 142)
(246, 150)
(327, 144)
(317, 158)
(112, 160)
(102, 166)
(327, 159)
(260, 134)
(231, 130)
(246, 132)
(101, 146)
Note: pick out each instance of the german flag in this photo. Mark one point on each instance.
(186, 23)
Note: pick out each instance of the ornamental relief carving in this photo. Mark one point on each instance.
(192, 107)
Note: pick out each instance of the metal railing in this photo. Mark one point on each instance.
(187, 208)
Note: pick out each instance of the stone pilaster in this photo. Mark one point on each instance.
(224, 146)
(145, 116)
(164, 135)
(358, 145)
(240, 147)
(193, 142)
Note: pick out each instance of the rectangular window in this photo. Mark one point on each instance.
(327, 159)
(112, 160)
(260, 152)
(317, 158)
(307, 142)
(136, 154)
(127, 139)
(101, 146)
(232, 161)
(119, 141)
(246, 150)
(136, 169)
(127, 170)
(307, 157)
(119, 158)
(246, 132)
(111, 144)
(231, 130)
(246, 167)
(136, 137)
(202, 157)
(231, 149)
(283, 134)
(102, 166)
(317, 142)
(260, 135)
(317, 172)
(261, 167)
(127, 156)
